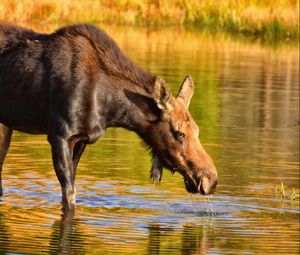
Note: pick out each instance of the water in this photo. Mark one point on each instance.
(246, 104)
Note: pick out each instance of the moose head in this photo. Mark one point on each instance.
(175, 142)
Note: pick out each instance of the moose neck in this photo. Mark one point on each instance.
(130, 106)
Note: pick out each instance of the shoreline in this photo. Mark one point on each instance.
(269, 21)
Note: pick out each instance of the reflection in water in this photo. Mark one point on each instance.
(192, 240)
(4, 234)
(108, 232)
(66, 237)
(247, 106)
(154, 238)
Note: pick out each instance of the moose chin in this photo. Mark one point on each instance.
(75, 83)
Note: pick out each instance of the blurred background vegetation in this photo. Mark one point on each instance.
(270, 19)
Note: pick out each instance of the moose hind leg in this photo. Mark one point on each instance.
(62, 155)
(5, 138)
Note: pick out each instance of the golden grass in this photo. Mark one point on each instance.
(268, 18)
(282, 192)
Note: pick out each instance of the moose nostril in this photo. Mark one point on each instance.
(206, 187)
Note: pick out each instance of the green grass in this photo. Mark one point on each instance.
(269, 19)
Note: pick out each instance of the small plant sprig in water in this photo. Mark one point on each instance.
(285, 194)
(295, 195)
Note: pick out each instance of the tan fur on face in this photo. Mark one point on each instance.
(178, 136)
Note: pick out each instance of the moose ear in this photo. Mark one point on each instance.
(186, 90)
(161, 94)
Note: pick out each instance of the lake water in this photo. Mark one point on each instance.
(246, 104)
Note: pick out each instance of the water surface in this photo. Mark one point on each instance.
(246, 104)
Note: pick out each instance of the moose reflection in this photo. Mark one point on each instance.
(75, 83)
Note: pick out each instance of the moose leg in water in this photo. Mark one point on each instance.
(66, 156)
(5, 137)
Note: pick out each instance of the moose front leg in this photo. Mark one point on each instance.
(62, 154)
(5, 138)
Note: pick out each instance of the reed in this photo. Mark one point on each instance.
(269, 18)
(282, 192)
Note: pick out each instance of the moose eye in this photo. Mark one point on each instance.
(180, 136)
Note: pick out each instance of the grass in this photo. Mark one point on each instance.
(276, 19)
(283, 193)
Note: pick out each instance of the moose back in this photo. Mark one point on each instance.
(75, 83)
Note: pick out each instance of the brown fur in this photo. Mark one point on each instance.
(75, 83)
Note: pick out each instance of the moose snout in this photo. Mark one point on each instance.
(205, 185)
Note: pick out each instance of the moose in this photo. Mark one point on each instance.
(74, 83)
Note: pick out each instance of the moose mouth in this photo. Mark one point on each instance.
(191, 187)
(203, 186)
